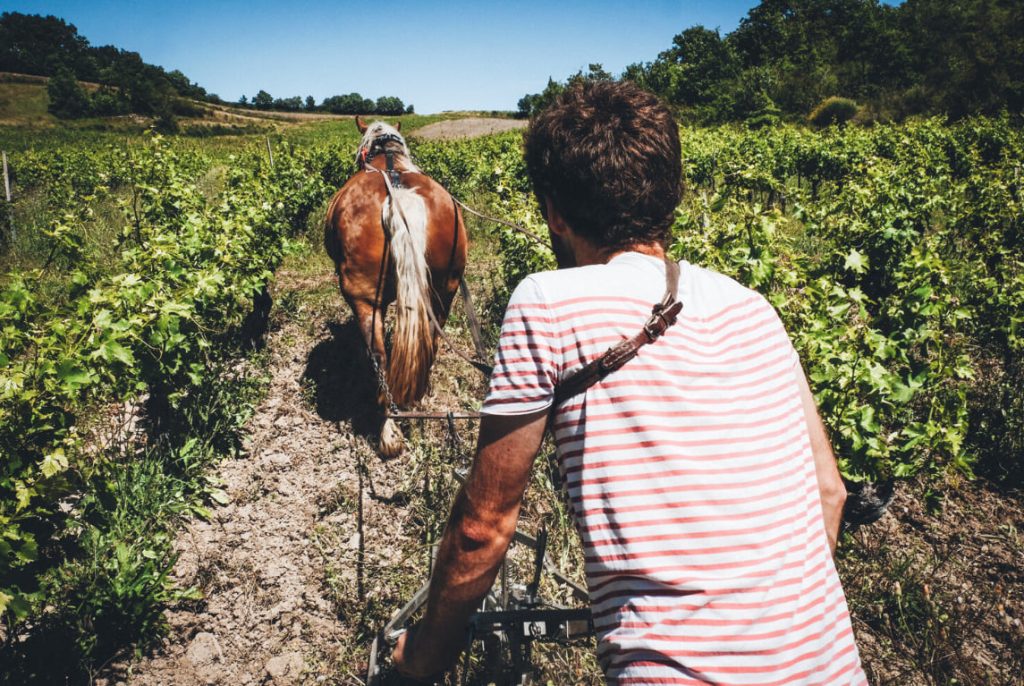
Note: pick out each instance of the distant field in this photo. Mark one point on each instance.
(24, 104)
(470, 127)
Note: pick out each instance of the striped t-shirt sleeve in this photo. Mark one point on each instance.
(527, 362)
(778, 330)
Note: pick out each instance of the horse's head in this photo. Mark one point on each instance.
(378, 137)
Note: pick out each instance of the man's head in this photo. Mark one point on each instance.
(606, 155)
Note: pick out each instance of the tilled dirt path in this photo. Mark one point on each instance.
(283, 561)
(469, 127)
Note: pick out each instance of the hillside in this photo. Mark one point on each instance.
(24, 101)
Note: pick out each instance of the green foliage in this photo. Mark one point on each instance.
(898, 59)
(354, 103)
(834, 110)
(31, 44)
(67, 99)
(157, 322)
(262, 100)
(529, 105)
(387, 104)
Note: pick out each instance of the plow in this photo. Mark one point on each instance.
(501, 634)
(512, 618)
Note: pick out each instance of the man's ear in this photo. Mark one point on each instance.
(556, 222)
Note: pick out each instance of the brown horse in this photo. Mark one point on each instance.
(396, 235)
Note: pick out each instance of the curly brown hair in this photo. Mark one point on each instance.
(607, 155)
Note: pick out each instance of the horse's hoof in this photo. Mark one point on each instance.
(392, 443)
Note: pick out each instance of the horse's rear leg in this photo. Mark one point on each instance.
(371, 323)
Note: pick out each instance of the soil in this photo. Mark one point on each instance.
(936, 587)
(267, 615)
(470, 127)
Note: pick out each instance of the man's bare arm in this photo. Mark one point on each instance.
(482, 523)
(830, 484)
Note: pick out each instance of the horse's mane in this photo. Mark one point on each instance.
(379, 128)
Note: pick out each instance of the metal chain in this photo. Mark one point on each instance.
(382, 383)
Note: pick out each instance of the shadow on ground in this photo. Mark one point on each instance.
(344, 388)
(48, 654)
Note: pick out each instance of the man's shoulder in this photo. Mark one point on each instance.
(702, 290)
(716, 290)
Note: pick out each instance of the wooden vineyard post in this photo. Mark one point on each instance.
(270, 152)
(7, 179)
(7, 196)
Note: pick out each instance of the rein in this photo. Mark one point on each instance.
(526, 232)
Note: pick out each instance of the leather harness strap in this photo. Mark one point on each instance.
(396, 177)
(663, 315)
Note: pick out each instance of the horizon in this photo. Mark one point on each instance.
(233, 49)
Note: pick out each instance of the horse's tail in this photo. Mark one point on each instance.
(412, 347)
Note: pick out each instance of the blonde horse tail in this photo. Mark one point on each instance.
(413, 346)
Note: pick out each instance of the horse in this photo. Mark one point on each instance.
(395, 235)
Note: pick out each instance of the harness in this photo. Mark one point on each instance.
(379, 145)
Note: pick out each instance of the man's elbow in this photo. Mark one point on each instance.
(833, 493)
(489, 536)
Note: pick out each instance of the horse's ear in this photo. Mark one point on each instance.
(360, 125)
(398, 126)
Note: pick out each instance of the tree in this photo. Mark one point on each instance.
(353, 103)
(108, 102)
(262, 100)
(529, 105)
(390, 105)
(698, 65)
(310, 103)
(184, 87)
(410, 109)
(29, 44)
(67, 99)
(293, 104)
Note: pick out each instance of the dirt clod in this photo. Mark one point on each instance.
(285, 668)
(203, 650)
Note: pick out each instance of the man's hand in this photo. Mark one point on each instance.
(478, 534)
(406, 665)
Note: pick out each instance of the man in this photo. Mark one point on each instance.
(700, 476)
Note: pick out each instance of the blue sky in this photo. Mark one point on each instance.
(437, 55)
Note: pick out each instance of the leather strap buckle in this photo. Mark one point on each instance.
(655, 325)
(661, 318)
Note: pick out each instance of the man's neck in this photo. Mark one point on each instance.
(589, 254)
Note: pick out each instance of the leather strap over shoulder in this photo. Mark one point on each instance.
(663, 315)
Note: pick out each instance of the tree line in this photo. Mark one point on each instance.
(352, 103)
(787, 57)
(49, 46)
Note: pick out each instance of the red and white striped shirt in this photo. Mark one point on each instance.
(690, 474)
